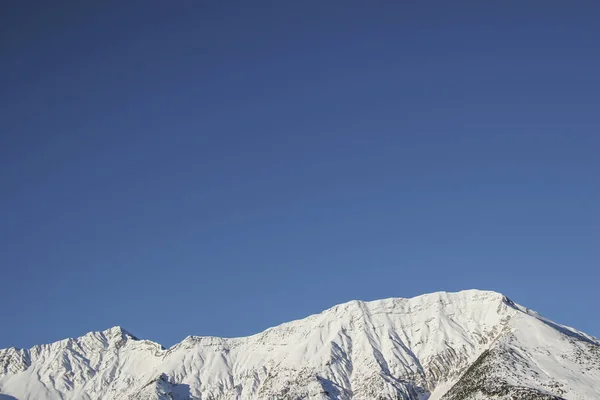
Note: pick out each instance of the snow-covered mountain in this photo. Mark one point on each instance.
(470, 345)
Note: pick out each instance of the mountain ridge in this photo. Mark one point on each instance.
(425, 347)
(125, 331)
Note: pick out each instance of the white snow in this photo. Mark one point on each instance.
(418, 347)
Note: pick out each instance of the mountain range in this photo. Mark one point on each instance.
(469, 345)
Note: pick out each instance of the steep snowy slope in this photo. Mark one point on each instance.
(470, 345)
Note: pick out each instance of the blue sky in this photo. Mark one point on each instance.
(216, 169)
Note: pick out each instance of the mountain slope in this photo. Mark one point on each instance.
(470, 345)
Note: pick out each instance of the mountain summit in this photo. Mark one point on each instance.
(470, 345)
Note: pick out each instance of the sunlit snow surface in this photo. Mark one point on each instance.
(470, 345)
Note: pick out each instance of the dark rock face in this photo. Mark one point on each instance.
(481, 379)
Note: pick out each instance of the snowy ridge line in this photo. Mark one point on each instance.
(468, 345)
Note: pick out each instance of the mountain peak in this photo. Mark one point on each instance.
(463, 295)
(465, 299)
(118, 331)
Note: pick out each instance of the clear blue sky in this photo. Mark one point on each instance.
(205, 168)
